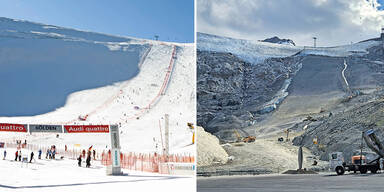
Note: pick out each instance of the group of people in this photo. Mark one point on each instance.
(51, 152)
(18, 156)
(88, 159)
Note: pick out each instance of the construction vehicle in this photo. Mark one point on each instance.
(359, 162)
(248, 139)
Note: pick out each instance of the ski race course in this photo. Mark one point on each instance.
(60, 76)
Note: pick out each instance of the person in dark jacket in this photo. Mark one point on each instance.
(94, 154)
(40, 153)
(53, 153)
(88, 161)
(32, 154)
(79, 160)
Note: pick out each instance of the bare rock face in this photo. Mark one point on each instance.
(209, 151)
(277, 40)
(232, 92)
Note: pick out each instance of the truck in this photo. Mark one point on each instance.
(359, 162)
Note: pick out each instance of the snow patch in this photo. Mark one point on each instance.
(48, 34)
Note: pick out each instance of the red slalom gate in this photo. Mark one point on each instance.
(146, 162)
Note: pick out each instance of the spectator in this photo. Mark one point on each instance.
(88, 161)
(50, 154)
(79, 160)
(40, 153)
(53, 154)
(32, 154)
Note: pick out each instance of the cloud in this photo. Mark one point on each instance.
(333, 22)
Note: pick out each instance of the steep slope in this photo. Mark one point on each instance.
(141, 81)
(54, 66)
(342, 131)
(240, 82)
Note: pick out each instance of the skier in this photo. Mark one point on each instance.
(32, 154)
(40, 153)
(46, 156)
(16, 155)
(5, 154)
(88, 161)
(79, 160)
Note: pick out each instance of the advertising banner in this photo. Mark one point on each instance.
(86, 128)
(46, 128)
(115, 137)
(13, 127)
(115, 145)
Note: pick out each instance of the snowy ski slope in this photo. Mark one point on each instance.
(138, 82)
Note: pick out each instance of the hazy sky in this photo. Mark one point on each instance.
(333, 22)
(172, 20)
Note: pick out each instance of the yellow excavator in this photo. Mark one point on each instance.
(247, 139)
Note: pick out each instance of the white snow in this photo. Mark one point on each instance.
(65, 175)
(50, 27)
(256, 51)
(250, 51)
(124, 103)
(48, 34)
(342, 51)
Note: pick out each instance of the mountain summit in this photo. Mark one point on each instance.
(277, 40)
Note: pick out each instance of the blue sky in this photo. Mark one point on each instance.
(172, 20)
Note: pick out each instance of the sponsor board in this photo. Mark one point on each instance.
(86, 128)
(13, 127)
(115, 137)
(46, 128)
(115, 145)
(177, 168)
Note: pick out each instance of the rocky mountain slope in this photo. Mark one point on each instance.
(232, 92)
(342, 131)
(277, 40)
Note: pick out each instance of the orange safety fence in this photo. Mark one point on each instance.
(149, 162)
(144, 162)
